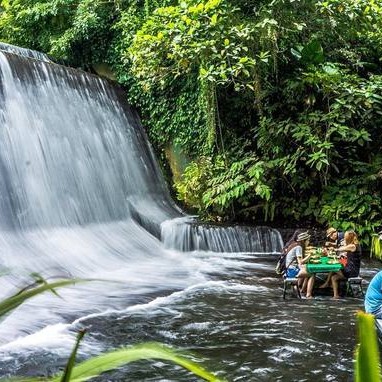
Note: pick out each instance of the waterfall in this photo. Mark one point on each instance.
(185, 234)
(24, 52)
(73, 153)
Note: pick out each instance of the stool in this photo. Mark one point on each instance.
(354, 286)
(293, 283)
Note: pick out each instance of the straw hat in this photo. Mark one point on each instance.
(329, 231)
(303, 236)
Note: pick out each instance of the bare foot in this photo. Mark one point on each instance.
(336, 297)
(323, 286)
(309, 296)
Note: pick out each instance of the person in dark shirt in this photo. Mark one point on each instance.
(349, 254)
(352, 250)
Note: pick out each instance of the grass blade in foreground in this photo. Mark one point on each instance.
(72, 359)
(367, 364)
(17, 299)
(117, 358)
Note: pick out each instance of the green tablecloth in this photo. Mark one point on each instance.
(315, 268)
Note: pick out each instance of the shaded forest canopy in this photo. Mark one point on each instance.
(277, 105)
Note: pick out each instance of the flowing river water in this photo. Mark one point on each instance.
(82, 196)
(231, 317)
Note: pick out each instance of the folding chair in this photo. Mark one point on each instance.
(354, 286)
(291, 282)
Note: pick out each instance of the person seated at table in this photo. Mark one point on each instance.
(296, 261)
(292, 240)
(333, 238)
(373, 296)
(352, 251)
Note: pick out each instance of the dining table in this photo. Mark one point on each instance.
(324, 264)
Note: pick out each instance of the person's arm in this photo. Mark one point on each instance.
(347, 248)
(300, 259)
(305, 259)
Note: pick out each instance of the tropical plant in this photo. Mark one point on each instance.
(367, 365)
(376, 247)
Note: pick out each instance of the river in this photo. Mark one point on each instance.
(231, 317)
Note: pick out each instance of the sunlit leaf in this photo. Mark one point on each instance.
(367, 360)
(17, 299)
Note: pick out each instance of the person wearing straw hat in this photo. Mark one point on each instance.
(334, 238)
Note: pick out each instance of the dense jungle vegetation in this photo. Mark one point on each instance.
(276, 105)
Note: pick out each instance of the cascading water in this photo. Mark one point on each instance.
(24, 52)
(187, 235)
(81, 196)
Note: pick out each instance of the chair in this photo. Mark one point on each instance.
(291, 282)
(354, 286)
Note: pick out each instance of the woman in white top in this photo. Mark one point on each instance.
(296, 263)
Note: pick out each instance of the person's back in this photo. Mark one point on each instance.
(353, 265)
(373, 297)
(294, 251)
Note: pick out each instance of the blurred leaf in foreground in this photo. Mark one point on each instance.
(95, 366)
(367, 360)
(37, 288)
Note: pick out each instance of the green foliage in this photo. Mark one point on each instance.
(355, 202)
(177, 118)
(367, 360)
(219, 183)
(236, 184)
(77, 32)
(376, 247)
(194, 182)
(277, 103)
(204, 37)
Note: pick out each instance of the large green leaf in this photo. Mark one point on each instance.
(93, 367)
(313, 53)
(117, 358)
(367, 361)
